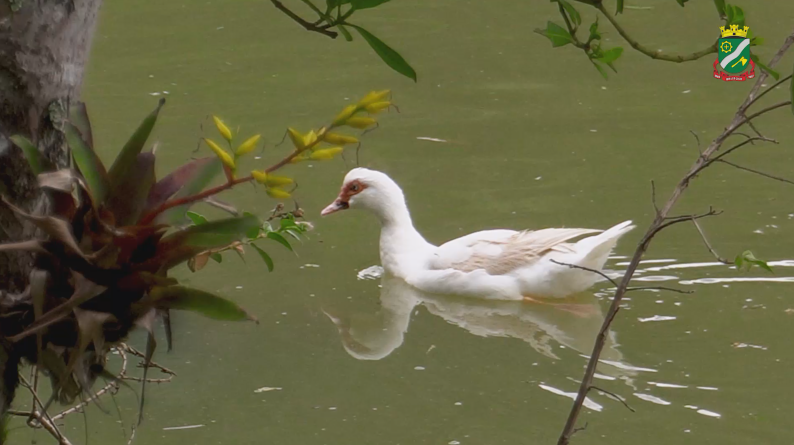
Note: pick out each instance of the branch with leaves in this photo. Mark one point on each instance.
(336, 14)
(605, 57)
(714, 152)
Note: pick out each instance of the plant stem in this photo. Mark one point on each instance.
(649, 52)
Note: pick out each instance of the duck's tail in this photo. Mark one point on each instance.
(597, 248)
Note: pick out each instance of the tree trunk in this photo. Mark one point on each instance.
(44, 45)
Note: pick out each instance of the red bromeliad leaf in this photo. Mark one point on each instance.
(126, 159)
(130, 193)
(187, 180)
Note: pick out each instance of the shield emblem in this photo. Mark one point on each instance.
(734, 54)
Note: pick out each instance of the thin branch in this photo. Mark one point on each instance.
(766, 110)
(708, 245)
(595, 271)
(711, 49)
(757, 172)
(218, 204)
(740, 145)
(755, 99)
(299, 20)
(614, 396)
(671, 289)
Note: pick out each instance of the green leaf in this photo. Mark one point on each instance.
(280, 239)
(619, 9)
(129, 197)
(196, 218)
(558, 35)
(204, 303)
(734, 15)
(761, 65)
(572, 12)
(600, 69)
(681, 2)
(217, 257)
(594, 34)
(345, 33)
(609, 56)
(746, 260)
(265, 257)
(335, 3)
(78, 116)
(187, 243)
(366, 4)
(193, 180)
(387, 54)
(30, 152)
(720, 5)
(125, 161)
(88, 163)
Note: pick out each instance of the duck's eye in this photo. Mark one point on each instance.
(354, 188)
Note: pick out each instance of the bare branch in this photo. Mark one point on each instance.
(299, 20)
(614, 396)
(757, 172)
(708, 245)
(597, 272)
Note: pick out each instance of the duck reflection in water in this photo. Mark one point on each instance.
(573, 323)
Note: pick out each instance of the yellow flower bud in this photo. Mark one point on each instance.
(259, 176)
(310, 139)
(325, 153)
(372, 97)
(278, 181)
(361, 122)
(222, 128)
(278, 193)
(225, 157)
(377, 107)
(297, 138)
(346, 113)
(339, 139)
(248, 146)
(299, 158)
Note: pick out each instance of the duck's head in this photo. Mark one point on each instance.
(366, 189)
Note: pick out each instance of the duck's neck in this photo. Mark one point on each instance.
(400, 243)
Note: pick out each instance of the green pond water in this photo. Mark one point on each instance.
(534, 138)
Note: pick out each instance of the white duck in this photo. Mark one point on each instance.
(493, 264)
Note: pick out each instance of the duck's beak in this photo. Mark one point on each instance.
(335, 206)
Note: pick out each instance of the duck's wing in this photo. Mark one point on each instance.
(498, 252)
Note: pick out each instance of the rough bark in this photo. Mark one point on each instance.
(44, 45)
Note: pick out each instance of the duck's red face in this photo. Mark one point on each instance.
(342, 202)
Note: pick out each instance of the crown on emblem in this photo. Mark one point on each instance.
(734, 30)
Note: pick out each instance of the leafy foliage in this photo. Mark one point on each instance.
(114, 235)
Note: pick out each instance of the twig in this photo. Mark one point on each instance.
(755, 99)
(711, 49)
(671, 289)
(228, 208)
(614, 396)
(152, 364)
(615, 283)
(708, 245)
(659, 223)
(299, 20)
(34, 413)
(757, 172)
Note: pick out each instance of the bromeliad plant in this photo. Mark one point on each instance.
(113, 235)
